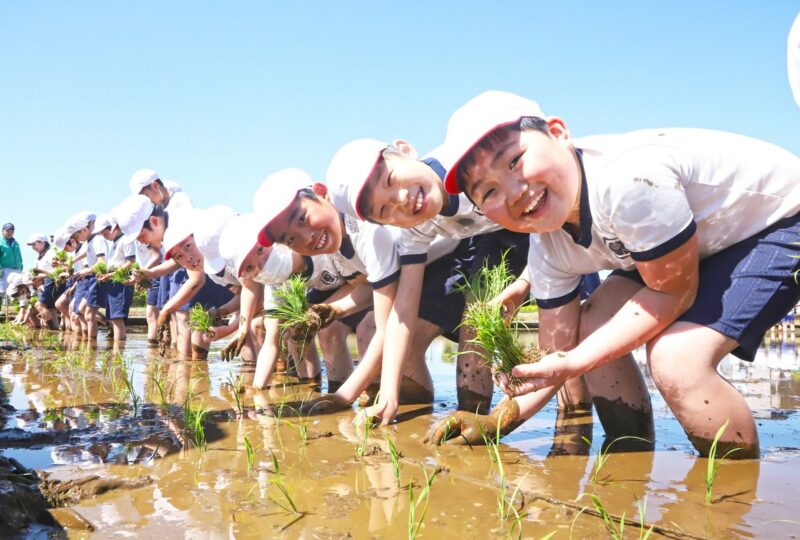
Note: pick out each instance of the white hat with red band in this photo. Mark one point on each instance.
(349, 171)
(275, 194)
(477, 118)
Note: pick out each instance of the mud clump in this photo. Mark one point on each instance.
(64, 493)
(23, 504)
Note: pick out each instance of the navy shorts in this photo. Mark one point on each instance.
(316, 296)
(119, 298)
(95, 293)
(50, 293)
(79, 294)
(211, 294)
(748, 287)
(153, 291)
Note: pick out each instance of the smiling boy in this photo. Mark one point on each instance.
(700, 228)
(302, 216)
(387, 184)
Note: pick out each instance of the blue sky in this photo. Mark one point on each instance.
(217, 95)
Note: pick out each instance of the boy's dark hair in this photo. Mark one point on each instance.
(308, 193)
(158, 211)
(493, 139)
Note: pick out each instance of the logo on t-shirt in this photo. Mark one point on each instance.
(327, 278)
(616, 247)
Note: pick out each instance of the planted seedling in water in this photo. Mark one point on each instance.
(395, 457)
(614, 531)
(200, 320)
(194, 419)
(250, 452)
(135, 399)
(235, 383)
(286, 503)
(604, 454)
(714, 462)
(498, 343)
(415, 524)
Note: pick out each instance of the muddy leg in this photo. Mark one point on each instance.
(683, 362)
(151, 314)
(474, 384)
(417, 385)
(184, 335)
(618, 390)
(199, 347)
(338, 363)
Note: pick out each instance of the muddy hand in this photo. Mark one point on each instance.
(464, 427)
(234, 348)
(324, 404)
(322, 315)
(164, 336)
(551, 370)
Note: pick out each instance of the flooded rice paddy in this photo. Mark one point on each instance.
(176, 452)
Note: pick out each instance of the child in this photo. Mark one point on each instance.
(89, 294)
(388, 184)
(301, 216)
(119, 296)
(700, 226)
(49, 290)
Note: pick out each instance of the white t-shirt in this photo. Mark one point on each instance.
(645, 192)
(119, 252)
(368, 249)
(93, 247)
(45, 263)
(460, 219)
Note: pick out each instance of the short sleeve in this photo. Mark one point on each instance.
(377, 248)
(644, 202)
(414, 244)
(550, 286)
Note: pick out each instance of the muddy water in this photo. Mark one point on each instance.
(79, 412)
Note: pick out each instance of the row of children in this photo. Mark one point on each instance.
(699, 229)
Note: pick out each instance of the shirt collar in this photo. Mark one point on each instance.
(451, 206)
(346, 248)
(583, 237)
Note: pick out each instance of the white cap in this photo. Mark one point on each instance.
(349, 171)
(103, 221)
(793, 59)
(238, 238)
(477, 118)
(181, 226)
(15, 279)
(131, 214)
(275, 194)
(37, 237)
(78, 221)
(207, 236)
(172, 186)
(60, 238)
(141, 179)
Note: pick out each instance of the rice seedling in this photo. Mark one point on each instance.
(234, 383)
(60, 254)
(200, 320)
(366, 425)
(303, 421)
(194, 420)
(292, 305)
(395, 456)
(123, 274)
(162, 395)
(135, 399)
(505, 505)
(644, 533)
(498, 343)
(250, 452)
(714, 462)
(604, 454)
(614, 531)
(415, 523)
(285, 502)
(100, 268)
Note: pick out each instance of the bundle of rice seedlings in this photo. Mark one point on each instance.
(60, 255)
(292, 309)
(100, 268)
(499, 343)
(200, 320)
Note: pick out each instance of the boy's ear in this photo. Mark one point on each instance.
(320, 189)
(558, 128)
(406, 148)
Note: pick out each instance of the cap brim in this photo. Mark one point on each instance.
(450, 184)
(264, 239)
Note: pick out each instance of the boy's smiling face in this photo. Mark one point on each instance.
(308, 226)
(254, 261)
(403, 191)
(530, 182)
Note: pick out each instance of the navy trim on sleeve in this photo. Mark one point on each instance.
(351, 276)
(551, 303)
(413, 258)
(347, 248)
(667, 247)
(385, 281)
(309, 271)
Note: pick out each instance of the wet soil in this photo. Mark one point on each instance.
(175, 453)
